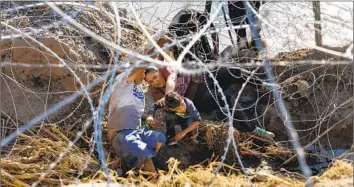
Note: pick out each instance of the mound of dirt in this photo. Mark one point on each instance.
(311, 54)
(318, 98)
(34, 85)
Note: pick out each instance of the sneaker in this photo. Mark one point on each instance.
(172, 143)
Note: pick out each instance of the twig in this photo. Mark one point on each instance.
(263, 139)
(55, 137)
(19, 166)
(12, 179)
(86, 140)
(70, 127)
(32, 159)
(309, 144)
(64, 137)
(47, 180)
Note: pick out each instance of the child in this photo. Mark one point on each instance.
(181, 117)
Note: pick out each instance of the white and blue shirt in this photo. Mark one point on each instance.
(126, 105)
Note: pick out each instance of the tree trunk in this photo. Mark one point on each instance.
(318, 30)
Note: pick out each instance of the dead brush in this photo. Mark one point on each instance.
(28, 160)
(199, 175)
(248, 144)
(340, 174)
(340, 169)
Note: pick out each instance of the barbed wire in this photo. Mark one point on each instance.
(61, 15)
(284, 112)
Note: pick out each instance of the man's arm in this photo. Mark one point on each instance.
(193, 111)
(153, 109)
(171, 82)
(196, 120)
(187, 130)
(136, 72)
(161, 42)
(150, 115)
(191, 127)
(171, 78)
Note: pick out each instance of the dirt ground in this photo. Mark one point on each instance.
(318, 97)
(30, 91)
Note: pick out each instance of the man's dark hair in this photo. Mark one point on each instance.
(173, 100)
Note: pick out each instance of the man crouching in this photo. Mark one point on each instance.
(134, 145)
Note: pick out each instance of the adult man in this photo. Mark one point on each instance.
(238, 15)
(187, 22)
(134, 145)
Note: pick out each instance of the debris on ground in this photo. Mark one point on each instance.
(78, 51)
(51, 147)
(249, 145)
(31, 157)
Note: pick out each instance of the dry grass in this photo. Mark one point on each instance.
(201, 176)
(248, 144)
(340, 169)
(31, 156)
(340, 175)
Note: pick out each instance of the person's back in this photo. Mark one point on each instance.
(132, 93)
(127, 102)
(133, 144)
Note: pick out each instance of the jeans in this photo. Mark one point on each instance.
(135, 146)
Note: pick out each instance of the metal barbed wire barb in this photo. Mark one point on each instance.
(299, 67)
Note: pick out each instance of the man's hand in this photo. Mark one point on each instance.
(161, 102)
(150, 120)
(179, 136)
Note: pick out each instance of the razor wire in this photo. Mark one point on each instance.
(285, 114)
(111, 73)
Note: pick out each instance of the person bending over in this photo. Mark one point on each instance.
(134, 145)
(181, 117)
